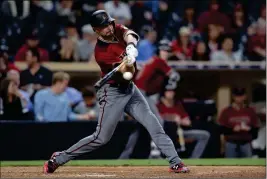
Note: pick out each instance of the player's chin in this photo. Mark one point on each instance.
(108, 34)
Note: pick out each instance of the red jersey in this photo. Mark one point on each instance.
(188, 52)
(256, 41)
(232, 116)
(151, 77)
(170, 113)
(20, 56)
(110, 53)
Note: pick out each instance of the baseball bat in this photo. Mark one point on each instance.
(108, 76)
(180, 133)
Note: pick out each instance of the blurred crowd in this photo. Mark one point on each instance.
(38, 31)
(210, 30)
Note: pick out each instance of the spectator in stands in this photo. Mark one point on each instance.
(173, 111)
(161, 18)
(240, 23)
(185, 19)
(53, 104)
(16, 16)
(226, 53)
(14, 105)
(46, 5)
(239, 122)
(212, 36)
(261, 22)
(15, 76)
(5, 65)
(213, 16)
(89, 96)
(120, 11)
(146, 47)
(36, 76)
(141, 14)
(68, 44)
(77, 102)
(189, 18)
(85, 47)
(64, 11)
(257, 41)
(84, 9)
(182, 48)
(18, 9)
(201, 52)
(31, 42)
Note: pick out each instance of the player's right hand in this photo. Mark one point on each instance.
(127, 68)
(130, 60)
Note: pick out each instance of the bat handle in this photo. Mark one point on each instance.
(181, 139)
(127, 62)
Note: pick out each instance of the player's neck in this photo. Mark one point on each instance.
(238, 105)
(34, 68)
(55, 89)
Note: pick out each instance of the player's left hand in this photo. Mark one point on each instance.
(131, 51)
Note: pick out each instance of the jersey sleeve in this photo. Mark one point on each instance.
(122, 31)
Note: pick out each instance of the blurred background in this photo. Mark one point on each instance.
(218, 48)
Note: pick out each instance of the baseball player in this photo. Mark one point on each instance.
(115, 42)
(150, 80)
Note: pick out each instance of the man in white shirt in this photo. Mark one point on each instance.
(119, 11)
(85, 47)
(226, 54)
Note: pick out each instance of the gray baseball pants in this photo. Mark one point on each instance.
(113, 102)
(128, 150)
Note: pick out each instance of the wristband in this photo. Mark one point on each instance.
(132, 44)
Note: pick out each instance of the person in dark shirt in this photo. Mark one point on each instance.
(36, 76)
(13, 105)
(173, 111)
(32, 41)
(238, 123)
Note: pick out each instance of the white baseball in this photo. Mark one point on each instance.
(127, 75)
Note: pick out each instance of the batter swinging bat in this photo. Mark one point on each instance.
(108, 76)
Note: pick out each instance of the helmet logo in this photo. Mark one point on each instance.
(104, 17)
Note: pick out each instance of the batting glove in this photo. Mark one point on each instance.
(130, 60)
(131, 51)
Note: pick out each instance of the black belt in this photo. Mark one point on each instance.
(120, 85)
(116, 85)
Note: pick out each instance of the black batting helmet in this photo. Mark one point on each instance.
(100, 18)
